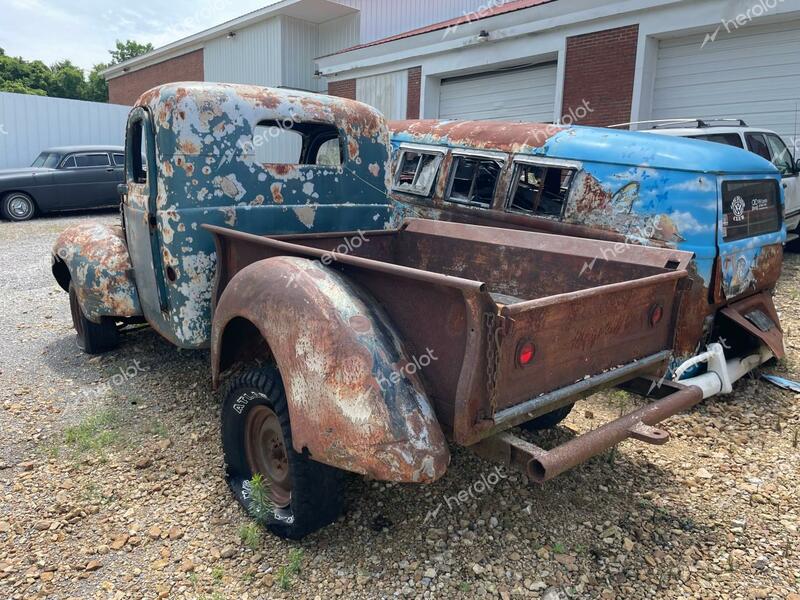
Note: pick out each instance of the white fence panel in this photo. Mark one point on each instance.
(29, 124)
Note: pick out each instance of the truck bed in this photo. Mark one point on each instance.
(593, 311)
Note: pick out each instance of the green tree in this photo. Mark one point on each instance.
(97, 86)
(63, 79)
(127, 50)
(67, 81)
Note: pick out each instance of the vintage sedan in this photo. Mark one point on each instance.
(63, 179)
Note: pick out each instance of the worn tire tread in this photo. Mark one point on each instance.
(317, 489)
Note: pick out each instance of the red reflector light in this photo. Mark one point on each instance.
(656, 314)
(526, 353)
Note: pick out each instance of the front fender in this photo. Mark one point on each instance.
(94, 257)
(351, 403)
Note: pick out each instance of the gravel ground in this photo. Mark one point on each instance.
(112, 487)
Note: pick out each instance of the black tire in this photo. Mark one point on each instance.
(93, 338)
(17, 206)
(549, 420)
(315, 494)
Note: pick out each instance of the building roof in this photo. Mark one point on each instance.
(313, 11)
(68, 149)
(489, 11)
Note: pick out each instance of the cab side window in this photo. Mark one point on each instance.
(540, 189)
(474, 180)
(417, 171)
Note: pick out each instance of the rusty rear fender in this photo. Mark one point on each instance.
(352, 403)
(94, 257)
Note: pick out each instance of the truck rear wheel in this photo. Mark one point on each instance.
(549, 420)
(93, 338)
(303, 495)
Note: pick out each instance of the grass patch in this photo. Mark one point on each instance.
(286, 574)
(95, 433)
(218, 574)
(250, 535)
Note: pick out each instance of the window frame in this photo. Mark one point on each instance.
(76, 155)
(752, 134)
(313, 135)
(545, 163)
(439, 154)
(703, 137)
(500, 158)
(791, 160)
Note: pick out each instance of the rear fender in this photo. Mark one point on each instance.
(351, 403)
(94, 257)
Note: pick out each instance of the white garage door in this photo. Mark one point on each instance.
(516, 95)
(751, 74)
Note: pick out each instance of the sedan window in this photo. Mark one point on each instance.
(69, 163)
(47, 160)
(92, 160)
(119, 160)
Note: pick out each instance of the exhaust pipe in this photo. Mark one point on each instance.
(546, 465)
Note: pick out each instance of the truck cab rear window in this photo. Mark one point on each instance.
(540, 190)
(290, 143)
(474, 180)
(750, 208)
(417, 172)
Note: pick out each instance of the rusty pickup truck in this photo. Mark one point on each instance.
(364, 351)
(373, 358)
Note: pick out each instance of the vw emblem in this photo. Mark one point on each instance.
(738, 206)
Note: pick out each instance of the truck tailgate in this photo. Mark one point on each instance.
(554, 342)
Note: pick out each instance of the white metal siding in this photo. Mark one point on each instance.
(387, 92)
(300, 46)
(30, 124)
(339, 34)
(518, 95)
(252, 56)
(750, 74)
(384, 18)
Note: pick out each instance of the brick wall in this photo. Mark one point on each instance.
(414, 93)
(344, 89)
(125, 89)
(599, 73)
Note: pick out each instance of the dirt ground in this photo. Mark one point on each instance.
(112, 485)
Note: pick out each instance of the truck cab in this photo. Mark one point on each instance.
(259, 159)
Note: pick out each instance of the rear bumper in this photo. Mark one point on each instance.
(542, 465)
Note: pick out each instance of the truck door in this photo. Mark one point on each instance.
(142, 234)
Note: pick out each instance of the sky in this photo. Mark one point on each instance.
(85, 30)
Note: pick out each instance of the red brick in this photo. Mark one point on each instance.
(414, 93)
(600, 69)
(345, 88)
(126, 88)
